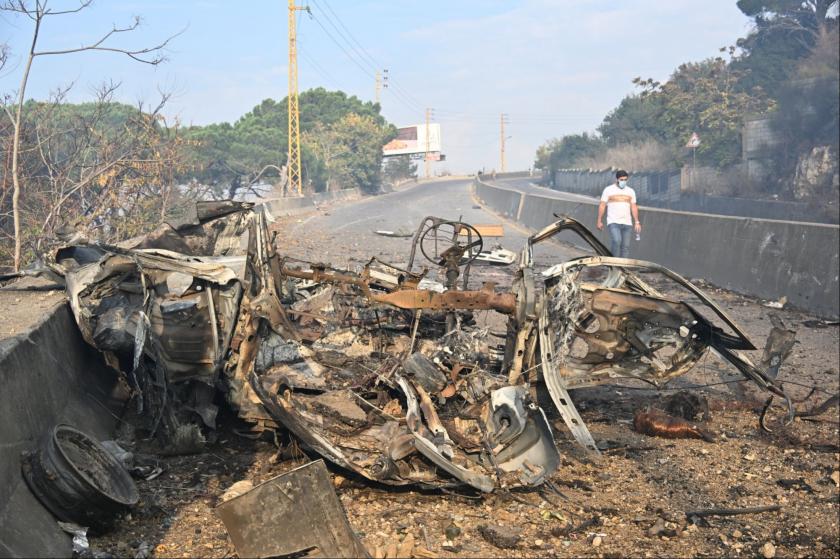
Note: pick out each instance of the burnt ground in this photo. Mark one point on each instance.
(601, 506)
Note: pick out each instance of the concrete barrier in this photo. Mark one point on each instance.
(760, 257)
(48, 375)
(292, 205)
(503, 201)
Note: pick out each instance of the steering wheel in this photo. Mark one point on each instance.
(451, 242)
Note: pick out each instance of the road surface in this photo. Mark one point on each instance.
(344, 235)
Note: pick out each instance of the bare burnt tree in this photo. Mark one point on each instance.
(102, 169)
(39, 12)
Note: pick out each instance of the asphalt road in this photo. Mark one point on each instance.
(348, 230)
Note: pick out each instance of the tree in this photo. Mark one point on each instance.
(228, 156)
(38, 14)
(351, 150)
(805, 20)
(785, 32)
(399, 167)
(636, 119)
(102, 169)
(704, 97)
(567, 151)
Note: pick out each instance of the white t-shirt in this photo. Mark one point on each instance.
(618, 204)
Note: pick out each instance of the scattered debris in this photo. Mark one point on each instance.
(292, 514)
(732, 512)
(574, 528)
(485, 229)
(81, 546)
(778, 346)
(820, 324)
(657, 424)
(124, 457)
(687, 405)
(500, 536)
(497, 256)
(401, 233)
(780, 304)
(662, 528)
(78, 480)
(798, 484)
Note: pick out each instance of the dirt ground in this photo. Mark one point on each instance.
(630, 501)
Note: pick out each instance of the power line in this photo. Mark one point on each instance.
(351, 40)
(356, 62)
(361, 53)
(346, 41)
(361, 48)
(340, 46)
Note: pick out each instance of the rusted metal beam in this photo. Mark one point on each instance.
(504, 303)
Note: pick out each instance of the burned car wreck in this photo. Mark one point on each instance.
(381, 370)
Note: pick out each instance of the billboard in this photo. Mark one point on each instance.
(412, 139)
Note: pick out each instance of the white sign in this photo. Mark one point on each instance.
(412, 139)
(694, 141)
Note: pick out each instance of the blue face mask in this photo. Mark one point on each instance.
(622, 183)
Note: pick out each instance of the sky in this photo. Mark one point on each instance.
(553, 67)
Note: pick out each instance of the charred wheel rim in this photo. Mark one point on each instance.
(78, 480)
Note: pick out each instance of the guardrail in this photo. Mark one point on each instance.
(760, 257)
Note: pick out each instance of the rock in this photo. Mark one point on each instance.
(815, 173)
(835, 477)
(237, 489)
(452, 531)
(768, 550)
(500, 536)
(737, 534)
(657, 528)
(596, 541)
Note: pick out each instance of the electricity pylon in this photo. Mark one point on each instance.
(294, 167)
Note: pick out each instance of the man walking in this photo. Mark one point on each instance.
(619, 202)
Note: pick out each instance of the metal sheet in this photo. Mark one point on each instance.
(294, 513)
(487, 230)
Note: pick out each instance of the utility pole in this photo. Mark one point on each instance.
(502, 163)
(381, 83)
(427, 159)
(293, 167)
